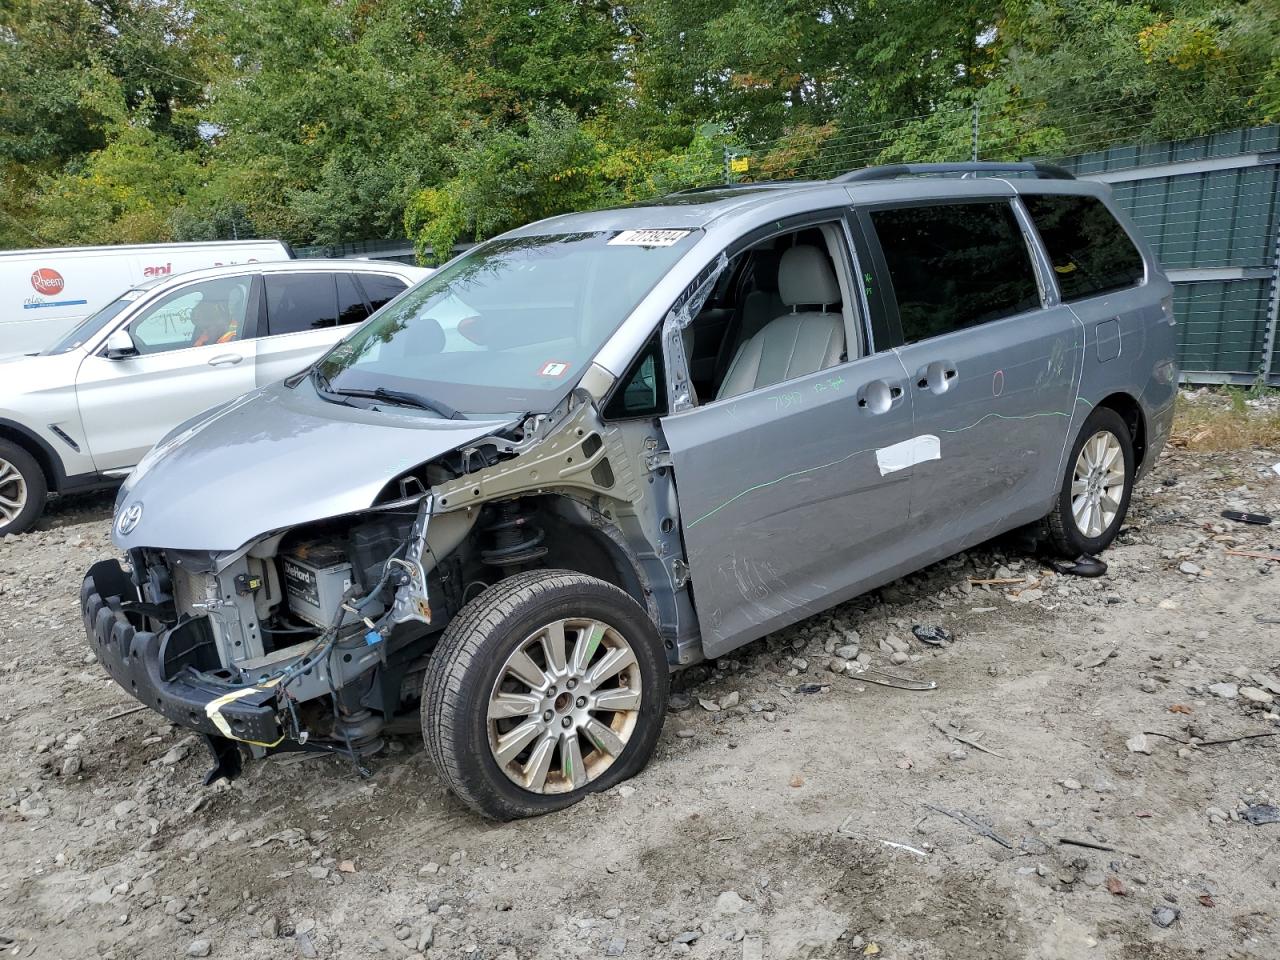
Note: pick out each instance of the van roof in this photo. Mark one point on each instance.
(702, 206)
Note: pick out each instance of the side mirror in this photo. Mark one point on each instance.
(120, 345)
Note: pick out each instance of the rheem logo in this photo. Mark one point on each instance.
(47, 281)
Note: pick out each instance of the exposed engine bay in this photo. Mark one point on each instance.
(328, 625)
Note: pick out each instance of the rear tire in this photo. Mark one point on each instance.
(1096, 487)
(546, 687)
(23, 489)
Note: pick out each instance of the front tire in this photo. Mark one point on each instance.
(23, 489)
(546, 687)
(1096, 487)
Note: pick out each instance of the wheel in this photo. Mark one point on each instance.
(23, 489)
(1095, 491)
(546, 687)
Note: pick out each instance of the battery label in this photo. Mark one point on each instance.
(301, 584)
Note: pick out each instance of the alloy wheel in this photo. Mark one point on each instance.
(13, 492)
(564, 706)
(1097, 485)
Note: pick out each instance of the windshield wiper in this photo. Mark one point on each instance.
(404, 399)
(324, 388)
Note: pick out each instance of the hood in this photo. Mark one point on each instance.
(273, 459)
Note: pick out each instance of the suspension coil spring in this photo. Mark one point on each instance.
(516, 538)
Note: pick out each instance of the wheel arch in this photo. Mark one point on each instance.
(50, 463)
(587, 542)
(1130, 411)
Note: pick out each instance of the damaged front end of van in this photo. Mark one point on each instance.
(294, 561)
(314, 634)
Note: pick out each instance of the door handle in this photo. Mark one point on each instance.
(937, 376)
(225, 360)
(879, 396)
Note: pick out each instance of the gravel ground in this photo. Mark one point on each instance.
(790, 811)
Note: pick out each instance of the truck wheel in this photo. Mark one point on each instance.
(1096, 487)
(23, 489)
(546, 687)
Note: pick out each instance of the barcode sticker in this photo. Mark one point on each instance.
(648, 238)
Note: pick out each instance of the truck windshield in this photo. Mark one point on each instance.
(509, 327)
(93, 323)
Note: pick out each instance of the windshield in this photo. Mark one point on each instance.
(511, 325)
(93, 323)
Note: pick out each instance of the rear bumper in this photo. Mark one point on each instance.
(135, 659)
(1159, 426)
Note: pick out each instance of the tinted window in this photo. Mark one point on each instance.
(955, 265)
(1090, 252)
(379, 289)
(351, 308)
(300, 301)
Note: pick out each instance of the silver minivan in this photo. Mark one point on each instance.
(609, 445)
(82, 412)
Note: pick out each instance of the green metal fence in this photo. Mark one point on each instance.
(1211, 208)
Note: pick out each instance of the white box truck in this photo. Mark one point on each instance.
(44, 293)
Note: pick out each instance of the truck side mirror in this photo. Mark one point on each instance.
(120, 345)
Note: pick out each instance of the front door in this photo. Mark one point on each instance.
(192, 355)
(792, 497)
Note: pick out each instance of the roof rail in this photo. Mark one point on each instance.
(750, 185)
(976, 168)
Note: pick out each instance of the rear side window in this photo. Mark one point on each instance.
(300, 301)
(351, 308)
(1090, 252)
(380, 288)
(955, 265)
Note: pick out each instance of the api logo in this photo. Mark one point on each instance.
(47, 281)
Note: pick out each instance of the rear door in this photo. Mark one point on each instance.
(1099, 274)
(302, 315)
(993, 363)
(792, 496)
(194, 352)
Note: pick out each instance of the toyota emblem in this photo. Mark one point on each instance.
(129, 519)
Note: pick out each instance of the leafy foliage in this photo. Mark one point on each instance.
(320, 121)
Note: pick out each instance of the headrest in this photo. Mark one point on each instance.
(805, 276)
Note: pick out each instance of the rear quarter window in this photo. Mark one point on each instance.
(1090, 252)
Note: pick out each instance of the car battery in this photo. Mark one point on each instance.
(316, 577)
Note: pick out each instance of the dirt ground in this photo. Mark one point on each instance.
(789, 812)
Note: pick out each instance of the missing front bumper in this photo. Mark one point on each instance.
(135, 658)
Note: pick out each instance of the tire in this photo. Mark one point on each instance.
(1090, 534)
(22, 482)
(474, 665)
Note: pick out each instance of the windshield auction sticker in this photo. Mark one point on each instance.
(648, 238)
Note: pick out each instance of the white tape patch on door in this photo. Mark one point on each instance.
(908, 453)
